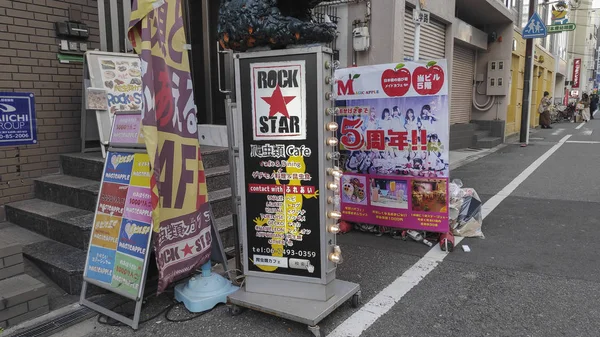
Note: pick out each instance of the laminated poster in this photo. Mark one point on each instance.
(122, 225)
(394, 144)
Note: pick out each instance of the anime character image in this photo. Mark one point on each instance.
(559, 13)
(428, 161)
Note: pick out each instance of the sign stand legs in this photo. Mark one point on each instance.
(134, 323)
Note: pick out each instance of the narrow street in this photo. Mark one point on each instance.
(532, 275)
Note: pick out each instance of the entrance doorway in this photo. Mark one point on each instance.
(201, 32)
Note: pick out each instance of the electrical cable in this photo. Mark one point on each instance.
(199, 314)
(488, 104)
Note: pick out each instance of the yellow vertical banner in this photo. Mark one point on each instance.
(169, 128)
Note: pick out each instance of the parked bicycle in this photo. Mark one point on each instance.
(561, 113)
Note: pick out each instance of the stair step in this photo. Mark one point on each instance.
(225, 227)
(58, 222)
(21, 298)
(62, 263)
(82, 193)
(72, 226)
(482, 134)
(90, 165)
(68, 190)
(489, 142)
(217, 178)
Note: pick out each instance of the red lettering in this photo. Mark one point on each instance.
(375, 140)
(398, 139)
(352, 139)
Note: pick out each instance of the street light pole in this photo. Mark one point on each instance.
(527, 85)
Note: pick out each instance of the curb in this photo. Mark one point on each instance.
(468, 160)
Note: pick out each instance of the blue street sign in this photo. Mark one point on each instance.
(535, 28)
(17, 119)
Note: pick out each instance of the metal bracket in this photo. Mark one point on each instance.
(219, 51)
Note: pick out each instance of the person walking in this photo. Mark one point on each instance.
(544, 111)
(593, 105)
(584, 106)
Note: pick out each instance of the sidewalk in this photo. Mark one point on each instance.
(12, 233)
(462, 157)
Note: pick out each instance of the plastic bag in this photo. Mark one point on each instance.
(469, 220)
(456, 201)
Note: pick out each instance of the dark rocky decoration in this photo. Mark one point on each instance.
(246, 24)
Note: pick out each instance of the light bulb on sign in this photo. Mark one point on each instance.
(334, 200)
(334, 215)
(336, 256)
(328, 80)
(332, 141)
(332, 126)
(329, 96)
(327, 65)
(333, 156)
(334, 229)
(333, 186)
(332, 111)
(334, 172)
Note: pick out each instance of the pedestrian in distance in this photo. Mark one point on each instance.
(593, 105)
(544, 111)
(584, 106)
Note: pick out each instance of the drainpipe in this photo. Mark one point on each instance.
(417, 32)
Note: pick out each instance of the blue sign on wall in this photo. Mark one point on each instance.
(17, 119)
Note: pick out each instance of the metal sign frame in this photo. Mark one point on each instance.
(327, 268)
(93, 79)
(299, 298)
(133, 322)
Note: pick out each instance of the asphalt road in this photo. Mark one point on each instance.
(535, 273)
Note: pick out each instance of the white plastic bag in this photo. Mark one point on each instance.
(469, 220)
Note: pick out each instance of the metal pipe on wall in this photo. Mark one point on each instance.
(417, 32)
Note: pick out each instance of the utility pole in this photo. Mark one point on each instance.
(417, 31)
(527, 85)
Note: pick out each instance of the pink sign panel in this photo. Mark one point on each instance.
(138, 205)
(127, 129)
(394, 134)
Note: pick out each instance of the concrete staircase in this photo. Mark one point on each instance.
(21, 296)
(484, 139)
(63, 212)
(488, 134)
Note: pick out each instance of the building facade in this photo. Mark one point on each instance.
(32, 61)
(469, 34)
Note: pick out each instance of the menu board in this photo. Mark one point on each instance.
(281, 166)
(115, 86)
(122, 227)
(122, 78)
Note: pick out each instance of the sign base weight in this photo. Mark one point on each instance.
(309, 312)
(204, 292)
